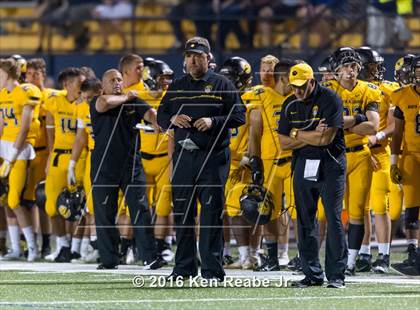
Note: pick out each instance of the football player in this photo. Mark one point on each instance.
(404, 171)
(36, 74)
(270, 165)
(61, 124)
(19, 106)
(89, 89)
(156, 151)
(239, 71)
(373, 71)
(361, 120)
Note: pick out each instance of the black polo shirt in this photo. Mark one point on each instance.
(116, 138)
(211, 96)
(305, 115)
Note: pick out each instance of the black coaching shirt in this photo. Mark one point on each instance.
(116, 138)
(306, 114)
(211, 96)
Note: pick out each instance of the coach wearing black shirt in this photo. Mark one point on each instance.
(200, 107)
(116, 165)
(311, 123)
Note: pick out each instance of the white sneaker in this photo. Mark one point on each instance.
(11, 256)
(168, 255)
(51, 257)
(248, 264)
(33, 254)
(130, 259)
(283, 259)
(235, 265)
(92, 257)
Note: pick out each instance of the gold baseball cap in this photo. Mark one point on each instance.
(300, 74)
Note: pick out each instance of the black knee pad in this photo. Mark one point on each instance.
(412, 218)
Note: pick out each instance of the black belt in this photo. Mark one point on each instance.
(149, 156)
(282, 161)
(58, 153)
(40, 148)
(356, 148)
(376, 146)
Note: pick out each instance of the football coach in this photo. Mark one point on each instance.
(116, 164)
(311, 123)
(201, 107)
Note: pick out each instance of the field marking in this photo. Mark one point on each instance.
(183, 300)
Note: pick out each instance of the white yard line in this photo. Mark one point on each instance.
(209, 300)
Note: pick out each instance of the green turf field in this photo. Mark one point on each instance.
(70, 286)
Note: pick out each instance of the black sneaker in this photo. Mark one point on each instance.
(272, 265)
(75, 255)
(175, 276)
(337, 283)
(350, 271)
(45, 251)
(64, 256)
(381, 265)
(228, 260)
(102, 267)
(364, 263)
(159, 262)
(411, 260)
(306, 282)
(295, 264)
(405, 269)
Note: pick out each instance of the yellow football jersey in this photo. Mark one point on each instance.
(356, 101)
(65, 120)
(41, 139)
(387, 88)
(240, 136)
(84, 121)
(140, 87)
(11, 107)
(151, 142)
(408, 101)
(271, 106)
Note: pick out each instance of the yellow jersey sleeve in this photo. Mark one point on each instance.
(407, 100)
(84, 122)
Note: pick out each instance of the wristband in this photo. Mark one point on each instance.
(72, 164)
(380, 135)
(394, 159)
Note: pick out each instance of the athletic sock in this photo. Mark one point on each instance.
(75, 245)
(365, 249)
(14, 235)
(383, 248)
(29, 236)
(243, 253)
(272, 250)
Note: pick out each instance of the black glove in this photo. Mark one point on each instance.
(360, 118)
(257, 170)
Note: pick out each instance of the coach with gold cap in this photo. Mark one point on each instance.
(311, 124)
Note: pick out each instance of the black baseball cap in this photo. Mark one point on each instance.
(197, 45)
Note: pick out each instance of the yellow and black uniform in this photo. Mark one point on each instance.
(381, 179)
(238, 149)
(84, 122)
(11, 107)
(64, 113)
(277, 163)
(407, 108)
(155, 160)
(38, 164)
(363, 97)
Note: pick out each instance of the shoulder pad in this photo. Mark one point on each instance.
(373, 86)
(259, 90)
(399, 89)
